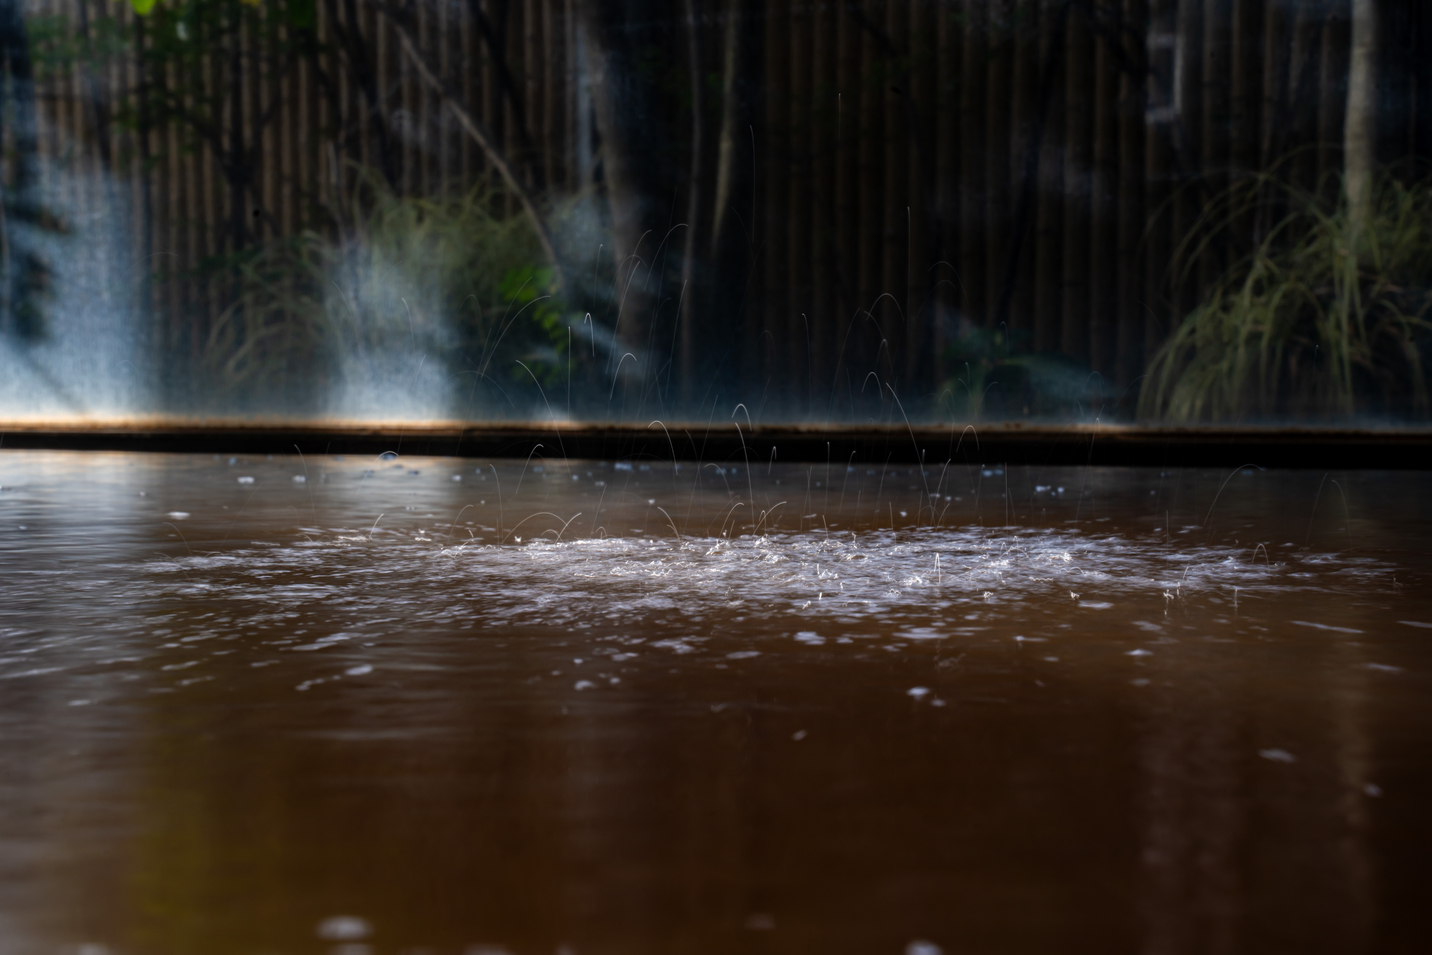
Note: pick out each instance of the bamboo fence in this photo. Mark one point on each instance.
(917, 169)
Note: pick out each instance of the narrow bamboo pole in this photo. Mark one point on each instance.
(797, 305)
(1104, 187)
(692, 287)
(1245, 106)
(993, 146)
(554, 147)
(849, 330)
(1302, 93)
(1360, 127)
(530, 71)
(923, 200)
(1277, 45)
(977, 149)
(1186, 128)
(1082, 108)
(824, 300)
(943, 274)
(773, 148)
(1245, 71)
(1049, 215)
(897, 132)
(868, 358)
(1332, 96)
(1020, 263)
(1214, 136)
(1159, 172)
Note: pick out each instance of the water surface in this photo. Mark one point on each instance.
(443, 705)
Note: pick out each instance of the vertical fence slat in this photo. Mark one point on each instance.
(1104, 190)
(1159, 171)
(1019, 256)
(1081, 108)
(976, 148)
(1049, 215)
(798, 141)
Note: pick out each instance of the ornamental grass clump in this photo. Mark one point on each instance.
(1326, 319)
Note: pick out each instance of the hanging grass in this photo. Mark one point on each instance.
(1320, 322)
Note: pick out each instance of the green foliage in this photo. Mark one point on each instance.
(193, 63)
(442, 276)
(1319, 321)
(56, 47)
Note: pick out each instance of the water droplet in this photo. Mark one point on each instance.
(344, 928)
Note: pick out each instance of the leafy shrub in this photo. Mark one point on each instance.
(1322, 320)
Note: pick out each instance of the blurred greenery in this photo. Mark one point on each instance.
(995, 375)
(440, 275)
(1319, 320)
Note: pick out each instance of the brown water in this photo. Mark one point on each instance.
(385, 710)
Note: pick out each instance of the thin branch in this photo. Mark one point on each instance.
(477, 131)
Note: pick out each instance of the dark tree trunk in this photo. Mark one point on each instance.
(624, 104)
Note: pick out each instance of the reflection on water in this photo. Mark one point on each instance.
(434, 705)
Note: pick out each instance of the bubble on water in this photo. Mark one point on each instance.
(743, 654)
(1416, 623)
(585, 685)
(1278, 755)
(798, 735)
(921, 947)
(246, 480)
(79, 703)
(918, 692)
(344, 928)
(300, 479)
(1140, 653)
(177, 515)
(361, 670)
(1095, 604)
(810, 638)
(1384, 667)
